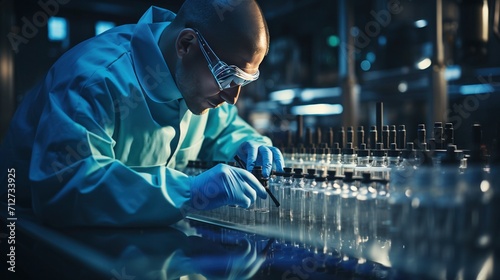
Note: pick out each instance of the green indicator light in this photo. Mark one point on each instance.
(333, 41)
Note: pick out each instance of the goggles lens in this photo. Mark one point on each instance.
(227, 76)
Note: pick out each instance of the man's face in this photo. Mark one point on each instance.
(199, 87)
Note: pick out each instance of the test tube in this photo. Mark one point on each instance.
(363, 161)
(378, 168)
(285, 195)
(296, 194)
(319, 136)
(385, 136)
(360, 136)
(348, 223)
(392, 135)
(336, 159)
(261, 209)
(438, 135)
(341, 137)
(350, 134)
(373, 137)
(366, 208)
(449, 134)
(318, 202)
(421, 137)
(401, 137)
(306, 202)
(332, 210)
(309, 138)
(348, 158)
(330, 137)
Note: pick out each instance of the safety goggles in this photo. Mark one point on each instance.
(226, 76)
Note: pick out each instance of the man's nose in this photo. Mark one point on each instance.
(230, 95)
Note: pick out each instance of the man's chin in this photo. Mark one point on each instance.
(204, 111)
(198, 112)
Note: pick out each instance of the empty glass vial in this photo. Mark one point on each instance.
(332, 210)
(349, 192)
(336, 159)
(306, 202)
(379, 168)
(296, 191)
(366, 208)
(348, 159)
(285, 196)
(322, 161)
(261, 207)
(363, 161)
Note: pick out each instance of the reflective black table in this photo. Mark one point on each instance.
(199, 248)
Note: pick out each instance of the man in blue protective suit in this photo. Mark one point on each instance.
(103, 138)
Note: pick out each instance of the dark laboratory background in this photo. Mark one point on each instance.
(332, 64)
(427, 61)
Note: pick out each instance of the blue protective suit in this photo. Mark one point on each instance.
(101, 140)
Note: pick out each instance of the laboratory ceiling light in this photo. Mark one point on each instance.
(57, 28)
(476, 89)
(421, 23)
(284, 96)
(424, 63)
(403, 86)
(317, 109)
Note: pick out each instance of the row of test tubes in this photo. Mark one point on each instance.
(411, 204)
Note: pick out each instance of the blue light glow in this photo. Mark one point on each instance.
(309, 94)
(370, 56)
(453, 72)
(102, 26)
(421, 23)
(57, 28)
(284, 96)
(476, 89)
(382, 40)
(366, 65)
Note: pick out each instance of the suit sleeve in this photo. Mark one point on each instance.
(76, 180)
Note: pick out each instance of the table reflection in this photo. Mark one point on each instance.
(181, 251)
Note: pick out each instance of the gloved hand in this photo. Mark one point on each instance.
(255, 153)
(225, 185)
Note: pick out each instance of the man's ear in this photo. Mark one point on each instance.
(185, 41)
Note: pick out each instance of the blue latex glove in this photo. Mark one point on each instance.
(255, 153)
(225, 185)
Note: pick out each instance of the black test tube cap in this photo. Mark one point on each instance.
(385, 136)
(421, 135)
(360, 136)
(373, 137)
(449, 134)
(401, 138)
(392, 134)
(350, 134)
